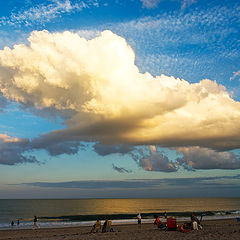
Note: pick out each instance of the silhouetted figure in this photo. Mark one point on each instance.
(104, 228)
(139, 218)
(35, 222)
(12, 223)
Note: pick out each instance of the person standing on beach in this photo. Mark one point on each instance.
(139, 218)
(12, 223)
(35, 224)
(165, 214)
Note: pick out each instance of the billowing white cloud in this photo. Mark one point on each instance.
(110, 101)
(204, 158)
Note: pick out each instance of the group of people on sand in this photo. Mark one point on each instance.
(106, 227)
(171, 224)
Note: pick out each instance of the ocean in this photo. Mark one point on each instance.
(80, 212)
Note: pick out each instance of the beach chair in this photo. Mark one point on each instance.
(171, 224)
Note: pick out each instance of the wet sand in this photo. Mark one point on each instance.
(212, 229)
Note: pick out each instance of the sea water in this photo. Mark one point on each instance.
(79, 212)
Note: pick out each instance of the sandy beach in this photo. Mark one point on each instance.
(212, 229)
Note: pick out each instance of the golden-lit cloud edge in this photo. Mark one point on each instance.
(110, 101)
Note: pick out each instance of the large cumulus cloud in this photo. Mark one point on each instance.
(107, 98)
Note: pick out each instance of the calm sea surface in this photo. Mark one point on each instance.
(58, 212)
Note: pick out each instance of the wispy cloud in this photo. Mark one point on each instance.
(120, 169)
(235, 75)
(150, 3)
(154, 3)
(182, 44)
(42, 13)
(221, 181)
(187, 3)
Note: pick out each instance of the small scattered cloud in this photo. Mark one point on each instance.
(204, 158)
(154, 3)
(150, 3)
(7, 139)
(150, 159)
(187, 3)
(12, 151)
(120, 169)
(235, 75)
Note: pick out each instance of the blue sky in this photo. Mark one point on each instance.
(136, 98)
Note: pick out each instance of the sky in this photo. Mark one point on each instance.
(119, 99)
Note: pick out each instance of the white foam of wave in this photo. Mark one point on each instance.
(59, 224)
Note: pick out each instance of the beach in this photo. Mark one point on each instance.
(212, 229)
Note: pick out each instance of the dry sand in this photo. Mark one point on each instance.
(215, 229)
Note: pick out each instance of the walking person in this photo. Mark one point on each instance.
(35, 222)
(139, 218)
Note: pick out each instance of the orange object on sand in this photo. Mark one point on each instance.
(181, 229)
